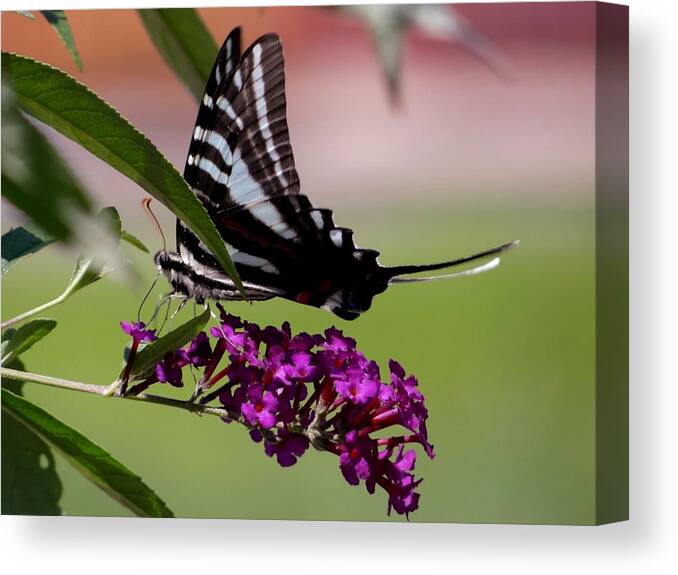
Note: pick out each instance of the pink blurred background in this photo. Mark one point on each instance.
(460, 133)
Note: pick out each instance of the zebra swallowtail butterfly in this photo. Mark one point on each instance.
(240, 165)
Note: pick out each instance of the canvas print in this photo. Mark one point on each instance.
(316, 263)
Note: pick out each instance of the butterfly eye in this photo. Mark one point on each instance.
(162, 258)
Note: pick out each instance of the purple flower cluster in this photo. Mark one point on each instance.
(294, 391)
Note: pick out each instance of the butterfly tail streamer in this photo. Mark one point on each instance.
(397, 272)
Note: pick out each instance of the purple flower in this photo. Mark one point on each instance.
(198, 352)
(287, 449)
(138, 332)
(410, 400)
(413, 413)
(305, 342)
(401, 486)
(357, 386)
(236, 342)
(422, 438)
(261, 407)
(232, 399)
(273, 336)
(335, 341)
(356, 457)
(407, 385)
(227, 318)
(387, 396)
(301, 366)
(256, 435)
(169, 370)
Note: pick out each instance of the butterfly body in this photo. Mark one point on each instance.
(240, 165)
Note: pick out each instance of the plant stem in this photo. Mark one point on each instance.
(101, 391)
(35, 310)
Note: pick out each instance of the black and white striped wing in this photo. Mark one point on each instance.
(240, 164)
(240, 155)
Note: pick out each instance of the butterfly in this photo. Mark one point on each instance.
(241, 166)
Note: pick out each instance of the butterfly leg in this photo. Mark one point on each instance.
(165, 302)
(182, 303)
(198, 389)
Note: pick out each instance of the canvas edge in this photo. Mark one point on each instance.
(612, 264)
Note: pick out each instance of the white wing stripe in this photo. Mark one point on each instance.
(255, 262)
(337, 238)
(259, 87)
(215, 173)
(284, 231)
(217, 141)
(225, 105)
(266, 213)
(243, 187)
(317, 219)
(237, 256)
(237, 80)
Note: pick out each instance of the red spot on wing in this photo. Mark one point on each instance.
(303, 297)
(325, 286)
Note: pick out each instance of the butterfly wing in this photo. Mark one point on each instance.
(241, 166)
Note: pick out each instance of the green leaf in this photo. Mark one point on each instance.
(155, 351)
(7, 335)
(20, 242)
(133, 241)
(86, 272)
(30, 483)
(57, 19)
(89, 269)
(54, 97)
(14, 385)
(34, 177)
(88, 458)
(18, 341)
(24, 241)
(184, 42)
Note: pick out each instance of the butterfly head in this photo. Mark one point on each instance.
(166, 261)
(174, 269)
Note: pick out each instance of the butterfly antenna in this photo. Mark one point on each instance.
(398, 271)
(146, 205)
(148, 293)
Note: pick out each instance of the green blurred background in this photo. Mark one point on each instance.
(505, 359)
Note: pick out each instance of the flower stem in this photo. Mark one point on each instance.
(101, 391)
(122, 388)
(35, 310)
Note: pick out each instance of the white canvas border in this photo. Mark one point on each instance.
(646, 543)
